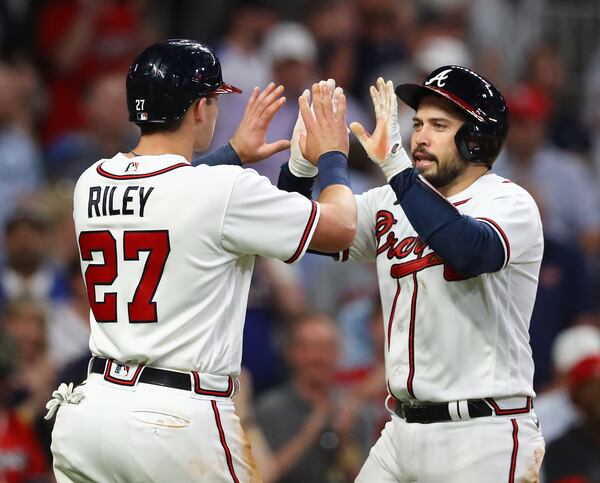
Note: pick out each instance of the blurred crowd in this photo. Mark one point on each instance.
(313, 386)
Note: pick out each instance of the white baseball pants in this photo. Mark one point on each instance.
(495, 449)
(149, 433)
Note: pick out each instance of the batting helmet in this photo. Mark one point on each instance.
(167, 77)
(481, 137)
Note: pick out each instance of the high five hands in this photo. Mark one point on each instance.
(325, 123)
(384, 146)
(249, 140)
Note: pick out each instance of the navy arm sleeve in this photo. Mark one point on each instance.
(469, 246)
(222, 155)
(290, 183)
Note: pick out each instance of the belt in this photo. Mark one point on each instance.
(162, 377)
(426, 413)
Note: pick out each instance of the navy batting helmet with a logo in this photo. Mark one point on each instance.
(167, 77)
(481, 137)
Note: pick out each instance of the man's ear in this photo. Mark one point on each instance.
(199, 109)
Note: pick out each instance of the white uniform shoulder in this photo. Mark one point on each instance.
(510, 210)
(493, 186)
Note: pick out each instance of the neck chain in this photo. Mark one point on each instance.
(134, 153)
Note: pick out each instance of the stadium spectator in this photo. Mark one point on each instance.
(335, 25)
(369, 384)
(313, 432)
(387, 32)
(244, 408)
(566, 130)
(78, 40)
(502, 32)
(107, 130)
(69, 322)
(565, 298)
(275, 298)
(28, 270)
(564, 183)
(21, 457)
(242, 61)
(20, 166)
(240, 50)
(574, 456)
(33, 382)
(553, 406)
(591, 115)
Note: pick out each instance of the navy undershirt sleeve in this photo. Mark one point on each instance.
(294, 184)
(222, 155)
(469, 246)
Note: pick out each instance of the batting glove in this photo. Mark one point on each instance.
(299, 166)
(384, 146)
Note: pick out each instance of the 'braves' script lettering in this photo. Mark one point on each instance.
(388, 243)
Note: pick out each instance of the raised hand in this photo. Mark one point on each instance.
(384, 146)
(325, 127)
(249, 139)
(299, 166)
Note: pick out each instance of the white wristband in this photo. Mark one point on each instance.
(395, 162)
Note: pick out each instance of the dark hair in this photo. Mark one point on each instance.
(170, 126)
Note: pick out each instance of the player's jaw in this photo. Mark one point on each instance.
(439, 171)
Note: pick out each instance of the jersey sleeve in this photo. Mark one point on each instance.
(363, 247)
(515, 217)
(263, 220)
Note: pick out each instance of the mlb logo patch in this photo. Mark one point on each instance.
(133, 166)
(142, 116)
(123, 374)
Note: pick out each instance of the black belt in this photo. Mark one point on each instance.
(151, 375)
(425, 413)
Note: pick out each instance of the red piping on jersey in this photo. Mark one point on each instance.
(458, 203)
(513, 459)
(502, 234)
(508, 412)
(208, 392)
(106, 174)
(311, 221)
(411, 338)
(224, 442)
(121, 382)
(391, 320)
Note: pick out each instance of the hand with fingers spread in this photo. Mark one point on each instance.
(249, 140)
(384, 146)
(325, 129)
(299, 166)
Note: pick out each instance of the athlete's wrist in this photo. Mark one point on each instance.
(395, 162)
(333, 169)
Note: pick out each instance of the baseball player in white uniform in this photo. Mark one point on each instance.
(167, 253)
(458, 252)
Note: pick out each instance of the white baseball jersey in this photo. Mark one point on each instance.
(167, 254)
(449, 337)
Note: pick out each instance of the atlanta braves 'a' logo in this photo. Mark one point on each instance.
(439, 79)
(388, 243)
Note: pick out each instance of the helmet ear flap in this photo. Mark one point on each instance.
(466, 143)
(475, 145)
